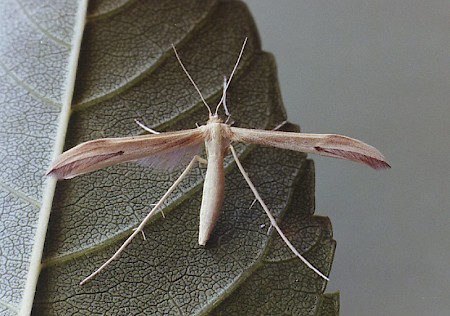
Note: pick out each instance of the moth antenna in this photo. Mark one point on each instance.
(192, 80)
(224, 97)
(232, 74)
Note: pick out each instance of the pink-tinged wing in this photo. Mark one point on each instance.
(161, 150)
(330, 145)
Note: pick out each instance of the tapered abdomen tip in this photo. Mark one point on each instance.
(202, 242)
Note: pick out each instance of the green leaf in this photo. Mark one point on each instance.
(127, 70)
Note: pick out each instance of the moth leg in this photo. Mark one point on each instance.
(146, 128)
(253, 203)
(143, 234)
(202, 160)
(272, 219)
(146, 219)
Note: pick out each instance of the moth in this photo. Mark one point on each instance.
(166, 149)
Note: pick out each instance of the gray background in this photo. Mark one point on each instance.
(378, 71)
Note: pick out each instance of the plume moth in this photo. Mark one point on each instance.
(163, 150)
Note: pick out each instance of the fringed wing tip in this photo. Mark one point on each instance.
(380, 164)
(374, 163)
(374, 160)
(57, 173)
(51, 173)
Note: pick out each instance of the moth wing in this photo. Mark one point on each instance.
(172, 160)
(330, 145)
(161, 150)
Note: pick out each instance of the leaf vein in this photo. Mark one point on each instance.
(20, 195)
(9, 306)
(41, 28)
(28, 88)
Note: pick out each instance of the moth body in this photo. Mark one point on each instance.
(216, 144)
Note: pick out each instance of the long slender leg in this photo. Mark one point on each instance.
(272, 219)
(147, 218)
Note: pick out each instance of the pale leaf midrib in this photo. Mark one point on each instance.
(34, 268)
